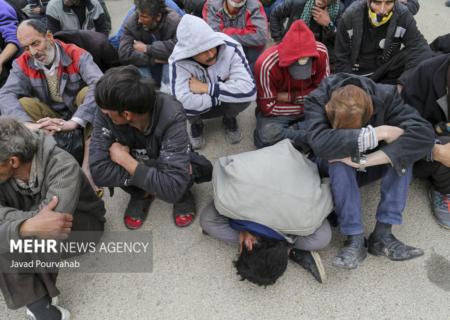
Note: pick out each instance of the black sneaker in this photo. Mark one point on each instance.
(310, 260)
(393, 249)
(232, 132)
(196, 136)
(352, 252)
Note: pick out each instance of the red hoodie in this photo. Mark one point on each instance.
(272, 75)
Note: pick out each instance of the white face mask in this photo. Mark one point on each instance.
(235, 4)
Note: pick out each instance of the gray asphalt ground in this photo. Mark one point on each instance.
(193, 276)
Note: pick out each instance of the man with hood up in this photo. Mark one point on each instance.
(285, 75)
(211, 77)
(369, 38)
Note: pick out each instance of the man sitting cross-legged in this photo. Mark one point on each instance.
(45, 194)
(285, 75)
(140, 144)
(273, 204)
(211, 77)
(348, 117)
(62, 78)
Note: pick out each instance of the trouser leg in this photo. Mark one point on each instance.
(230, 110)
(252, 55)
(88, 129)
(391, 70)
(37, 110)
(270, 130)
(316, 241)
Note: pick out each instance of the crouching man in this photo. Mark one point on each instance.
(43, 193)
(271, 214)
(362, 132)
(140, 144)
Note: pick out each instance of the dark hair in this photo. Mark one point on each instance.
(265, 263)
(16, 140)
(36, 25)
(154, 7)
(350, 107)
(125, 89)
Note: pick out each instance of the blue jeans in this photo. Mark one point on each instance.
(159, 72)
(345, 184)
(270, 130)
(252, 55)
(268, 10)
(115, 38)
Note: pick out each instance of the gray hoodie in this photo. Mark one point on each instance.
(275, 186)
(194, 37)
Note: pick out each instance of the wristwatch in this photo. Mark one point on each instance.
(362, 163)
(328, 26)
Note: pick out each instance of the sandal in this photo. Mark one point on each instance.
(185, 206)
(137, 209)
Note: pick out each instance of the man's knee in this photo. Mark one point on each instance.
(270, 133)
(81, 95)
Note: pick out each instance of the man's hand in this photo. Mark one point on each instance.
(139, 46)
(388, 133)
(283, 96)
(161, 61)
(277, 42)
(198, 87)
(399, 88)
(118, 152)
(348, 161)
(57, 125)
(36, 10)
(441, 153)
(321, 16)
(223, 31)
(47, 224)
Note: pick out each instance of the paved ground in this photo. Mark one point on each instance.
(194, 278)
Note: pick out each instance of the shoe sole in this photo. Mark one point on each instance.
(377, 253)
(320, 266)
(432, 213)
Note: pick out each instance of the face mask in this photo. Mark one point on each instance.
(379, 19)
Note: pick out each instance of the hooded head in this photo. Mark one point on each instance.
(195, 37)
(298, 51)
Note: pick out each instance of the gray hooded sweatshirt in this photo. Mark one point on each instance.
(194, 37)
(275, 186)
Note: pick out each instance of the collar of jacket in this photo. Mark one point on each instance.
(377, 103)
(68, 9)
(225, 8)
(64, 59)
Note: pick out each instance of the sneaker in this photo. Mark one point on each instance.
(65, 314)
(447, 3)
(310, 260)
(441, 211)
(196, 135)
(232, 132)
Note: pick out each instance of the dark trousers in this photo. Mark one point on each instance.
(436, 172)
(230, 110)
(345, 184)
(21, 289)
(390, 71)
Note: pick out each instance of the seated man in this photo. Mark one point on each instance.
(285, 75)
(9, 45)
(369, 39)
(76, 15)
(347, 117)
(321, 16)
(38, 9)
(243, 20)
(149, 37)
(427, 91)
(211, 77)
(62, 77)
(140, 144)
(270, 214)
(44, 194)
(412, 5)
(115, 38)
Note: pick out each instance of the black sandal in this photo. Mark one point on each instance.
(138, 209)
(185, 206)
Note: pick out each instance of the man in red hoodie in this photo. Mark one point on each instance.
(285, 74)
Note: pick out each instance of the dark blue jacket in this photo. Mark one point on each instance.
(39, 3)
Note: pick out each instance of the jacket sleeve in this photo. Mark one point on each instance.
(211, 18)
(169, 178)
(103, 170)
(415, 91)
(18, 85)
(241, 86)
(193, 103)
(90, 73)
(342, 45)
(8, 24)
(277, 15)
(255, 32)
(100, 24)
(416, 45)
(413, 6)
(127, 54)
(331, 37)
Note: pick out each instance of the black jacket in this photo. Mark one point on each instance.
(425, 86)
(388, 109)
(167, 142)
(293, 10)
(103, 53)
(166, 38)
(402, 28)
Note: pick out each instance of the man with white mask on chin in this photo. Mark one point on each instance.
(243, 20)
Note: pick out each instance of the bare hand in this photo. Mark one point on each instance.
(34, 126)
(393, 133)
(399, 88)
(36, 10)
(283, 96)
(161, 61)
(321, 16)
(348, 161)
(57, 125)
(118, 151)
(47, 224)
(441, 153)
(277, 42)
(139, 46)
(190, 168)
(198, 87)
